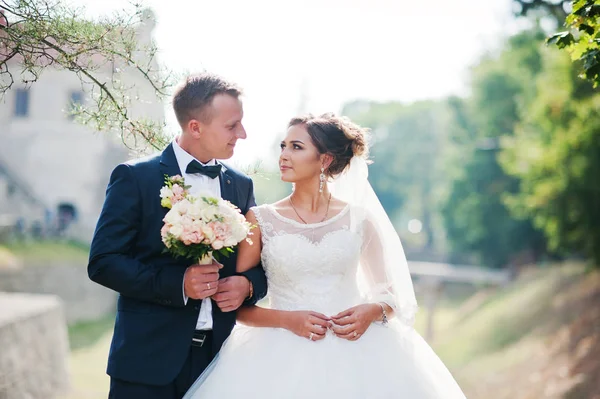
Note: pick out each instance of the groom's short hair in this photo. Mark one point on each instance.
(193, 99)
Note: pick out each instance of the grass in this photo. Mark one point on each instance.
(508, 346)
(88, 333)
(88, 370)
(89, 343)
(505, 317)
(40, 252)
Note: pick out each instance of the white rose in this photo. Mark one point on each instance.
(176, 230)
(166, 192)
(173, 216)
(230, 242)
(195, 210)
(236, 232)
(218, 244)
(183, 206)
(208, 213)
(197, 225)
(242, 229)
(225, 209)
(207, 231)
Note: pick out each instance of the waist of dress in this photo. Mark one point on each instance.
(327, 306)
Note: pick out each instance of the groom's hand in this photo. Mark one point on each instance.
(231, 293)
(201, 281)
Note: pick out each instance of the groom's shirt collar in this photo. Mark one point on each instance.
(184, 158)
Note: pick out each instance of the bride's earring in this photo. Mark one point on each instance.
(321, 180)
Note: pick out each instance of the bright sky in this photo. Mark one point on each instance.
(327, 51)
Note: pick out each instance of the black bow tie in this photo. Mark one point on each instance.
(211, 171)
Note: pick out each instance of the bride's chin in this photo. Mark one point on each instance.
(286, 177)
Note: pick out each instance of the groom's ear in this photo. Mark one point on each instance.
(195, 127)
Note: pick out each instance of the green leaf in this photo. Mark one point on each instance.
(590, 58)
(579, 8)
(593, 11)
(592, 72)
(587, 29)
(561, 39)
(581, 12)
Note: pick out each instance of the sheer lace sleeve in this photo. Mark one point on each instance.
(381, 270)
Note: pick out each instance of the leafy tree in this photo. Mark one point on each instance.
(476, 217)
(556, 154)
(39, 34)
(582, 40)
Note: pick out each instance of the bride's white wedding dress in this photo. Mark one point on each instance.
(314, 267)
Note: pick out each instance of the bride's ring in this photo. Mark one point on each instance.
(208, 285)
(311, 336)
(355, 334)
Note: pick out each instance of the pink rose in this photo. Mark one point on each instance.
(187, 223)
(176, 198)
(221, 230)
(177, 189)
(196, 238)
(164, 230)
(183, 207)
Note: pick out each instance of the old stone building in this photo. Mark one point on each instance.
(54, 171)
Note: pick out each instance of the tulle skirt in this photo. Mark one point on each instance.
(388, 361)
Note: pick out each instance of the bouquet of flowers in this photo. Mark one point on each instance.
(195, 226)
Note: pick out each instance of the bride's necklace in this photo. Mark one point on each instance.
(326, 210)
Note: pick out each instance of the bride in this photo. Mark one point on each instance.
(341, 300)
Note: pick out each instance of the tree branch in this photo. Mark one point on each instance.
(48, 33)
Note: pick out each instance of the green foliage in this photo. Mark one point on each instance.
(193, 252)
(49, 251)
(528, 145)
(87, 333)
(476, 217)
(556, 154)
(582, 40)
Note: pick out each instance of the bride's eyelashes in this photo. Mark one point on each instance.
(294, 146)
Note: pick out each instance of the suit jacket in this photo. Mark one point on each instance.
(153, 328)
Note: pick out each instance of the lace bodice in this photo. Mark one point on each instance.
(311, 266)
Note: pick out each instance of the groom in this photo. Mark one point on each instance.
(167, 328)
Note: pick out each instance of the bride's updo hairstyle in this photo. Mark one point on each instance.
(337, 136)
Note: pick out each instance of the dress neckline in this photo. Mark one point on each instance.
(308, 225)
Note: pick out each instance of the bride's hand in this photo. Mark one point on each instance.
(352, 323)
(306, 324)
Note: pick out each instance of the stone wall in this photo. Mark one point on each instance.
(34, 347)
(83, 299)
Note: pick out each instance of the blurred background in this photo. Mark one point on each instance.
(485, 147)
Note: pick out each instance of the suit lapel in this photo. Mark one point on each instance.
(227, 183)
(168, 162)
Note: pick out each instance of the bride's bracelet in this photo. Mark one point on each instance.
(384, 318)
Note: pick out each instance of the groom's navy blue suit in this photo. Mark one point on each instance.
(154, 328)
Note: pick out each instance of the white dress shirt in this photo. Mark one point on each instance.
(200, 184)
